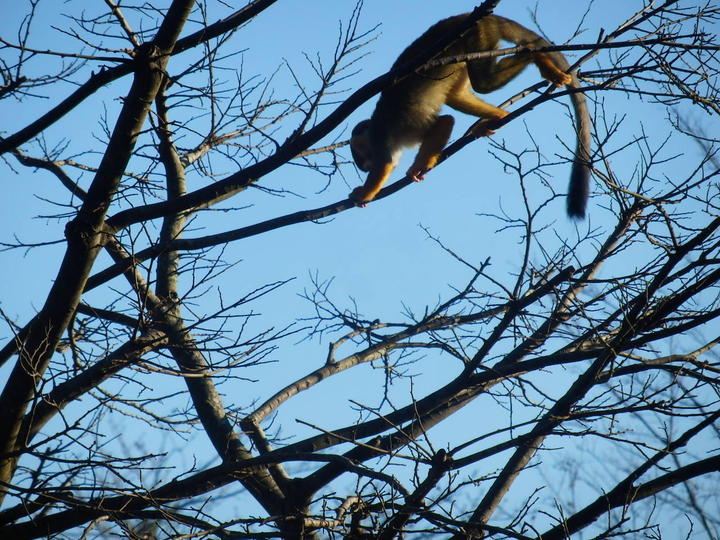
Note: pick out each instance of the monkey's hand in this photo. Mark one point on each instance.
(378, 175)
(360, 196)
(417, 174)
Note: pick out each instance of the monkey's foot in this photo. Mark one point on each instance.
(559, 78)
(416, 175)
(554, 75)
(550, 71)
(481, 129)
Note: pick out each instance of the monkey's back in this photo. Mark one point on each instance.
(411, 105)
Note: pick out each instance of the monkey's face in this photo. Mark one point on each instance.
(360, 146)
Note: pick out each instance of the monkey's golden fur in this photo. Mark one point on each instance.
(407, 112)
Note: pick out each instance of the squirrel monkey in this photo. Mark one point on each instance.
(407, 113)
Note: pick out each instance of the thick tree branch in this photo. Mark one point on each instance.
(85, 237)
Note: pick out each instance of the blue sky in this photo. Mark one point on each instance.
(380, 256)
(447, 202)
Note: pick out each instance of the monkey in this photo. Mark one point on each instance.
(407, 113)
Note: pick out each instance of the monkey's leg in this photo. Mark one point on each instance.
(461, 99)
(377, 176)
(465, 101)
(432, 145)
(489, 75)
(550, 70)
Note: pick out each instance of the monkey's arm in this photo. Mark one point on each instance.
(431, 145)
(378, 175)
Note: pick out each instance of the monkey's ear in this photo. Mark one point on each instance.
(360, 146)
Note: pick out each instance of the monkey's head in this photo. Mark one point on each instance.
(360, 146)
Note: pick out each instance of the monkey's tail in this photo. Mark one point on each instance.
(579, 188)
